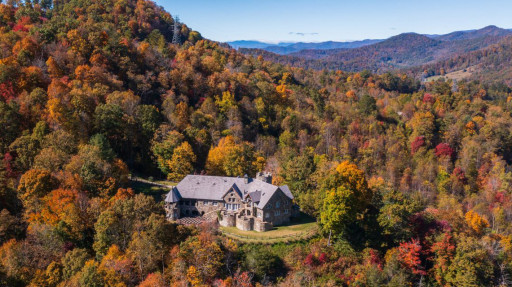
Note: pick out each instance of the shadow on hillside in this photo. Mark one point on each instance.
(303, 218)
(158, 193)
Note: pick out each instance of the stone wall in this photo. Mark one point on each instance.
(228, 220)
(244, 223)
(279, 209)
(199, 207)
(172, 211)
(262, 226)
(232, 198)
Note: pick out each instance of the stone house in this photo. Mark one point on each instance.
(247, 203)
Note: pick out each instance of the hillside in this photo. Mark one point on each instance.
(490, 65)
(408, 184)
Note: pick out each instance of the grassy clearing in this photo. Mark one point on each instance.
(302, 228)
(157, 192)
(166, 182)
(455, 75)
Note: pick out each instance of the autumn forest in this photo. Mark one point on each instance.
(408, 181)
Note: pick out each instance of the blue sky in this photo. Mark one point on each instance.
(322, 20)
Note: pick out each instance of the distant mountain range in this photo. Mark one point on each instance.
(398, 52)
(248, 44)
(287, 48)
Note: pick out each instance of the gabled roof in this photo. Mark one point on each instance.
(207, 187)
(286, 191)
(265, 197)
(204, 187)
(236, 189)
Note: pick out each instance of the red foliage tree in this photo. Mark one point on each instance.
(444, 150)
(322, 258)
(22, 24)
(417, 143)
(242, 279)
(409, 255)
(310, 260)
(7, 91)
(459, 174)
(428, 98)
(8, 163)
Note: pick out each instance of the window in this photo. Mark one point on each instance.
(260, 214)
(286, 211)
(278, 204)
(215, 203)
(267, 214)
(277, 213)
(205, 202)
(269, 205)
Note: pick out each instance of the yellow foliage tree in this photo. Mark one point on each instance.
(347, 197)
(116, 267)
(181, 162)
(476, 221)
(233, 158)
(193, 276)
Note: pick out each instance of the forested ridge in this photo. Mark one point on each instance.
(491, 65)
(410, 184)
(407, 51)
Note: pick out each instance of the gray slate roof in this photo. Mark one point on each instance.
(204, 187)
(286, 191)
(255, 196)
(173, 196)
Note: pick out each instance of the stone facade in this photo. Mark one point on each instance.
(248, 204)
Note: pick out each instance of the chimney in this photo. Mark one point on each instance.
(264, 176)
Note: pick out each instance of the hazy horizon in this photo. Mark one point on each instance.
(328, 20)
